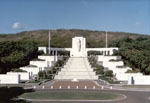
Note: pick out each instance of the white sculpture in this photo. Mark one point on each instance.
(79, 45)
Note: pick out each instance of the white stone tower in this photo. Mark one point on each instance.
(78, 47)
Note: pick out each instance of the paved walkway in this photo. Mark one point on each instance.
(73, 85)
(65, 84)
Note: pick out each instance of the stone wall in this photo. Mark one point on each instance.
(9, 79)
(139, 80)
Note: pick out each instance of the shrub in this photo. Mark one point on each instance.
(109, 73)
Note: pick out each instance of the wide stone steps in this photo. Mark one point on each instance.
(83, 77)
(74, 73)
(76, 68)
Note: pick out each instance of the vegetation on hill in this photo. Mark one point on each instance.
(63, 37)
(135, 53)
(18, 49)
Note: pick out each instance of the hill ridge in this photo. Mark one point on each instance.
(62, 37)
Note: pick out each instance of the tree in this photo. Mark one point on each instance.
(135, 53)
(109, 73)
(147, 71)
(41, 74)
(16, 54)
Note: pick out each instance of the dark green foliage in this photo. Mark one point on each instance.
(109, 79)
(16, 54)
(98, 68)
(109, 73)
(53, 70)
(67, 53)
(41, 74)
(63, 37)
(94, 53)
(135, 53)
(59, 63)
(131, 71)
(18, 70)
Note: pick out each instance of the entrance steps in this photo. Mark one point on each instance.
(76, 68)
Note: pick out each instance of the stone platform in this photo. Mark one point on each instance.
(77, 68)
(73, 85)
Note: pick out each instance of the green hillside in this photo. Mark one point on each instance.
(63, 38)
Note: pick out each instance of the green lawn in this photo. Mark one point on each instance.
(78, 95)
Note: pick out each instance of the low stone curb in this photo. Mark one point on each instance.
(73, 100)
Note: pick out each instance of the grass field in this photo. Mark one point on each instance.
(78, 95)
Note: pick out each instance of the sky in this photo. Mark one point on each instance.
(103, 15)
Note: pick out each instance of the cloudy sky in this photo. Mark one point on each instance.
(111, 15)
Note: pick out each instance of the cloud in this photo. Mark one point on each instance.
(18, 25)
(138, 23)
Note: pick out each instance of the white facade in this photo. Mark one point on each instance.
(103, 51)
(139, 80)
(120, 72)
(49, 58)
(78, 47)
(77, 66)
(107, 58)
(125, 76)
(117, 66)
(9, 79)
(40, 65)
(112, 64)
(47, 61)
(33, 71)
(24, 76)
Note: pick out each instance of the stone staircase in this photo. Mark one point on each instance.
(76, 68)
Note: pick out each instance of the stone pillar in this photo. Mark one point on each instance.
(56, 55)
(108, 52)
(105, 53)
(130, 80)
(111, 52)
(102, 52)
(53, 52)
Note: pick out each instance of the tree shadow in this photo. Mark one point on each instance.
(10, 94)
